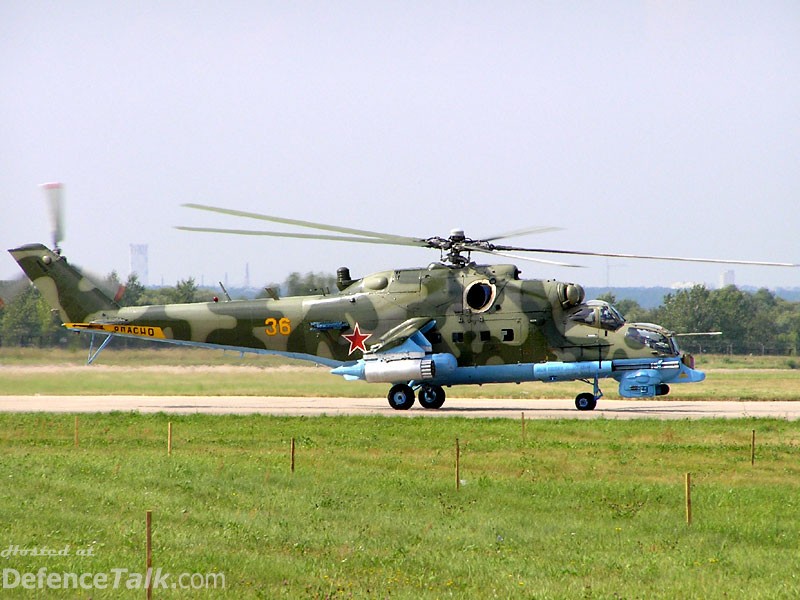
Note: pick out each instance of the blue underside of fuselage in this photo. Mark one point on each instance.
(658, 371)
(637, 378)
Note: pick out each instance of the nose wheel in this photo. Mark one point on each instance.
(588, 400)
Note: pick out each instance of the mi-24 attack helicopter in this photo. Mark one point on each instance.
(419, 330)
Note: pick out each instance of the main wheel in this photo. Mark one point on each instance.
(431, 396)
(585, 401)
(401, 397)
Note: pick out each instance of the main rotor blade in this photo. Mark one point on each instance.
(519, 232)
(395, 239)
(649, 257)
(518, 257)
(303, 236)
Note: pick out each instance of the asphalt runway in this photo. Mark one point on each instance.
(454, 407)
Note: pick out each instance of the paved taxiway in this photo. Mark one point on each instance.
(533, 409)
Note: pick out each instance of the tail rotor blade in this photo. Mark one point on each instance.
(54, 196)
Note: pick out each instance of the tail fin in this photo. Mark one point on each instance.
(64, 288)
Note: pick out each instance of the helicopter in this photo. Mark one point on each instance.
(418, 330)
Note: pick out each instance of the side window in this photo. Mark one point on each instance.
(584, 315)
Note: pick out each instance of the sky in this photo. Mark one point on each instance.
(668, 128)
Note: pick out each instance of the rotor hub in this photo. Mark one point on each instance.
(457, 235)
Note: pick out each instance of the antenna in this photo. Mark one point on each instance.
(224, 291)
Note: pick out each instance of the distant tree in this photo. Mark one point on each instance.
(609, 297)
(134, 291)
(27, 320)
(185, 291)
(21, 322)
(788, 322)
(734, 315)
(750, 323)
(162, 295)
(309, 284)
(765, 300)
(111, 285)
(630, 309)
(690, 311)
(634, 312)
(273, 286)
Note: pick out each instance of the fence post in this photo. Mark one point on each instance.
(688, 498)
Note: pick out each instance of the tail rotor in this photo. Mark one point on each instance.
(54, 196)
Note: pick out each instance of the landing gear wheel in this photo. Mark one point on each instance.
(401, 397)
(585, 401)
(431, 396)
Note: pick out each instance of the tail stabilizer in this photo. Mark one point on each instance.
(76, 298)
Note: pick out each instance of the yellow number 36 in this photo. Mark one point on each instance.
(275, 326)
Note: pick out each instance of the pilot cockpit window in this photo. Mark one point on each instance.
(598, 314)
(652, 339)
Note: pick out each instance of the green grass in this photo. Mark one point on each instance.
(578, 510)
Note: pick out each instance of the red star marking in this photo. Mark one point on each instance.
(357, 339)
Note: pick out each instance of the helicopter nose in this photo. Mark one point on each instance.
(688, 373)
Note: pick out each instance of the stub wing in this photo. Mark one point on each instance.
(403, 353)
(397, 336)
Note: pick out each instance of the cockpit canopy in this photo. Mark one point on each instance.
(658, 339)
(597, 313)
(602, 315)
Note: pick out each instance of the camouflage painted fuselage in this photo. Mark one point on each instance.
(484, 315)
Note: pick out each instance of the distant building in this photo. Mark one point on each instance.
(727, 278)
(139, 262)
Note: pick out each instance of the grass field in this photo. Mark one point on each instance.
(576, 510)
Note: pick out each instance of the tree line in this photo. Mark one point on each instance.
(751, 322)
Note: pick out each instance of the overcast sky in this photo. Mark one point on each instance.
(654, 127)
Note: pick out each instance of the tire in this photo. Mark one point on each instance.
(401, 397)
(431, 396)
(585, 401)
